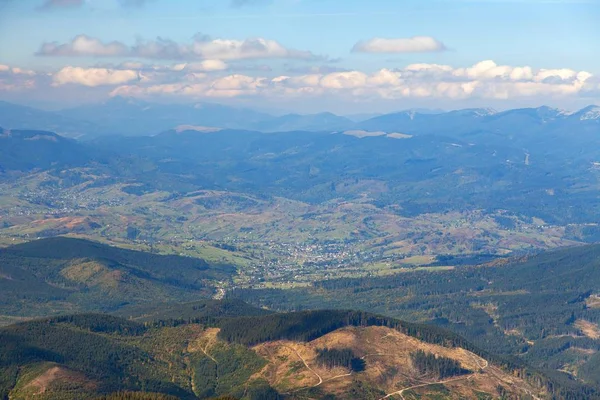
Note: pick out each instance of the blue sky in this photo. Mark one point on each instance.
(303, 54)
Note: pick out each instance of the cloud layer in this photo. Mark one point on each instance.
(213, 79)
(14, 79)
(94, 76)
(202, 47)
(485, 80)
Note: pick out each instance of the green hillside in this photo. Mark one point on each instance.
(544, 308)
(59, 275)
(71, 357)
(205, 311)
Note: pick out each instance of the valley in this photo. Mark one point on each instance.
(472, 234)
(299, 200)
(351, 238)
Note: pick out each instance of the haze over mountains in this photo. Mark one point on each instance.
(136, 117)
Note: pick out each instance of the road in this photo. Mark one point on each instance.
(401, 391)
(306, 365)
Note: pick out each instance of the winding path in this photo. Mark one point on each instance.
(208, 355)
(338, 376)
(470, 376)
(306, 365)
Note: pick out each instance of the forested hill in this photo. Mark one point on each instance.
(71, 248)
(23, 150)
(78, 356)
(543, 309)
(59, 275)
(204, 311)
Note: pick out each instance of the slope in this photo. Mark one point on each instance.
(542, 308)
(14, 116)
(26, 150)
(62, 274)
(85, 355)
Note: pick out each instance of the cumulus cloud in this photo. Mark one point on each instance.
(485, 80)
(214, 78)
(15, 70)
(202, 66)
(416, 44)
(93, 76)
(202, 47)
(83, 45)
(11, 86)
(13, 79)
(313, 69)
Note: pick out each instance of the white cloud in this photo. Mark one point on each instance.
(6, 69)
(344, 80)
(201, 66)
(416, 44)
(484, 70)
(227, 86)
(428, 68)
(561, 74)
(201, 48)
(132, 65)
(484, 80)
(384, 77)
(83, 45)
(14, 79)
(21, 71)
(93, 76)
(591, 87)
(213, 78)
(8, 86)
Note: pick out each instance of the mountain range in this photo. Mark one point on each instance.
(136, 117)
(430, 217)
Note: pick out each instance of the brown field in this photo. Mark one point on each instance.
(292, 367)
(589, 329)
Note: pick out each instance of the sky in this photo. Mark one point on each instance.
(343, 56)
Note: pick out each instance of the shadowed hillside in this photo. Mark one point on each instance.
(55, 275)
(84, 355)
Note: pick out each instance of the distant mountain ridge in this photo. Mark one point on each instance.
(27, 149)
(134, 117)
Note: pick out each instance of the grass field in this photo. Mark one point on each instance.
(277, 240)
